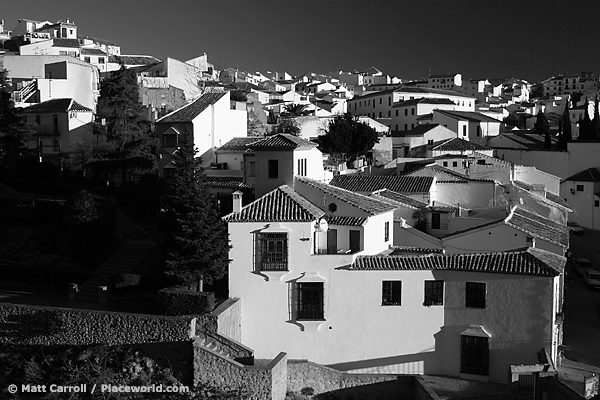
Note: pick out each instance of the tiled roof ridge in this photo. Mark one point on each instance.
(523, 261)
(587, 173)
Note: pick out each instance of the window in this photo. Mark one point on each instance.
(434, 293)
(252, 169)
(580, 188)
(302, 167)
(480, 162)
(170, 140)
(87, 59)
(474, 355)
(379, 114)
(464, 130)
(396, 113)
(273, 169)
(478, 131)
(38, 119)
(412, 111)
(386, 231)
(391, 293)
(445, 163)
(310, 301)
(380, 100)
(596, 203)
(274, 251)
(455, 163)
(100, 60)
(406, 111)
(475, 295)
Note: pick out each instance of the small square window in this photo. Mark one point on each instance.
(455, 163)
(475, 295)
(434, 293)
(580, 188)
(445, 163)
(391, 293)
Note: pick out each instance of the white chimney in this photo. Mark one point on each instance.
(237, 201)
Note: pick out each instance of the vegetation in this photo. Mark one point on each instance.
(515, 119)
(132, 143)
(585, 125)
(93, 365)
(287, 125)
(348, 138)
(197, 241)
(295, 110)
(595, 124)
(564, 135)
(13, 131)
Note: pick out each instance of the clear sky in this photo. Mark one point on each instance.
(531, 39)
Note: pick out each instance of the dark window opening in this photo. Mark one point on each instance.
(436, 220)
(386, 231)
(475, 295)
(580, 188)
(274, 251)
(434, 293)
(391, 293)
(474, 355)
(273, 169)
(310, 301)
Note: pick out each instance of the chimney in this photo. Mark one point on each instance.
(237, 201)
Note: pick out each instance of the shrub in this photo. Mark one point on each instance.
(173, 301)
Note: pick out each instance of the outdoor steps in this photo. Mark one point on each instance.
(127, 257)
(211, 345)
(127, 229)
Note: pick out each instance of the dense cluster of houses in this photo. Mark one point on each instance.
(443, 253)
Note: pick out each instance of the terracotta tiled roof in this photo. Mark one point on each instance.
(367, 204)
(458, 144)
(346, 221)
(413, 89)
(189, 112)
(408, 103)
(282, 141)
(418, 130)
(424, 117)
(92, 52)
(407, 250)
(64, 42)
(279, 205)
(233, 182)
(549, 196)
(588, 175)
(529, 261)
(399, 198)
(237, 145)
(538, 227)
(371, 183)
(57, 105)
(474, 228)
(468, 115)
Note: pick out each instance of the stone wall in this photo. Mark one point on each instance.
(257, 383)
(305, 374)
(62, 326)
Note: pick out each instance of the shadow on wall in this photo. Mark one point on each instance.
(28, 326)
(417, 363)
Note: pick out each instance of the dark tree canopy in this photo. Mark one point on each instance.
(295, 110)
(13, 130)
(287, 125)
(196, 238)
(595, 124)
(585, 125)
(347, 137)
(542, 126)
(566, 126)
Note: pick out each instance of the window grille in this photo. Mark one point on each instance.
(474, 355)
(310, 301)
(434, 293)
(391, 293)
(475, 295)
(274, 251)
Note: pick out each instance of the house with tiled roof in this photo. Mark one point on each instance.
(62, 127)
(275, 160)
(469, 125)
(412, 143)
(520, 228)
(536, 198)
(303, 256)
(582, 192)
(211, 120)
(405, 113)
(457, 145)
(416, 187)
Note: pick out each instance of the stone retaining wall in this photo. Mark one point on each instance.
(21, 324)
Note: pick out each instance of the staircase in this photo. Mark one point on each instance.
(137, 245)
(23, 94)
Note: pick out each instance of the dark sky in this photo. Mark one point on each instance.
(532, 39)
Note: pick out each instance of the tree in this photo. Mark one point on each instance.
(197, 239)
(347, 137)
(13, 131)
(295, 110)
(585, 124)
(541, 126)
(133, 143)
(595, 124)
(287, 125)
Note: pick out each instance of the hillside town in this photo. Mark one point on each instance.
(336, 235)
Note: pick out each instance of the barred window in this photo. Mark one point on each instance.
(434, 293)
(475, 295)
(310, 301)
(391, 293)
(386, 231)
(474, 355)
(274, 251)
